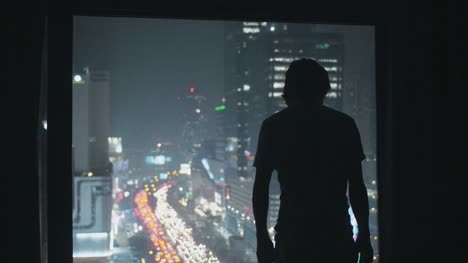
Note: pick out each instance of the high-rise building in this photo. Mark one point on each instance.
(91, 121)
(195, 129)
(257, 57)
(92, 185)
(220, 139)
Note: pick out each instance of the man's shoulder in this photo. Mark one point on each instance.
(277, 115)
(332, 113)
(326, 112)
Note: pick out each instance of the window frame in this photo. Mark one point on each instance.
(60, 39)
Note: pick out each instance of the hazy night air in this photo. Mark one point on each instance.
(166, 119)
(147, 59)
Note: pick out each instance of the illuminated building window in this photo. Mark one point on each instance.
(276, 50)
(250, 24)
(251, 30)
(246, 87)
(334, 68)
(278, 85)
(277, 94)
(280, 68)
(333, 85)
(279, 77)
(283, 59)
(264, 23)
(270, 94)
(329, 60)
(332, 95)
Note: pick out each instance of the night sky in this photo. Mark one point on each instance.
(151, 62)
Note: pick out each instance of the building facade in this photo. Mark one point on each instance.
(257, 57)
(92, 170)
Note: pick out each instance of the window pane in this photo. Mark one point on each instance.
(166, 118)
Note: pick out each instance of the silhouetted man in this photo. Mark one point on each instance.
(317, 153)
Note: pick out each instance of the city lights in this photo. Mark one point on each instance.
(77, 78)
(176, 230)
(186, 192)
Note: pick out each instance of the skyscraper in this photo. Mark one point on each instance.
(257, 57)
(195, 129)
(91, 121)
(92, 188)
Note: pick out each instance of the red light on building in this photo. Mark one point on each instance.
(178, 97)
(192, 89)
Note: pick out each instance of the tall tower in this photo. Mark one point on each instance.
(91, 121)
(195, 129)
(257, 57)
(92, 188)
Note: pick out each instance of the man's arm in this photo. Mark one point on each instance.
(265, 252)
(260, 199)
(360, 205)
(358, 198)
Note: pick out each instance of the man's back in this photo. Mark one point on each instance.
(310, 147)
(317, 152)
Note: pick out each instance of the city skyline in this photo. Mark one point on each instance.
(202, 89)
(160, 59)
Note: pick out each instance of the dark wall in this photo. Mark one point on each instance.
(420, 83)
(21, 77)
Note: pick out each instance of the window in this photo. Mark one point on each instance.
(143, 116)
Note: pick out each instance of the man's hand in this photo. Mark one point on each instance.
(364, 247)
(265, 249)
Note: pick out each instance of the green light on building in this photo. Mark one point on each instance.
(218, 108)
(322, 45)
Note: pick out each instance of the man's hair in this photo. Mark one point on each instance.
(306, 81)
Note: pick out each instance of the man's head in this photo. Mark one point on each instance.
(306, 82)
